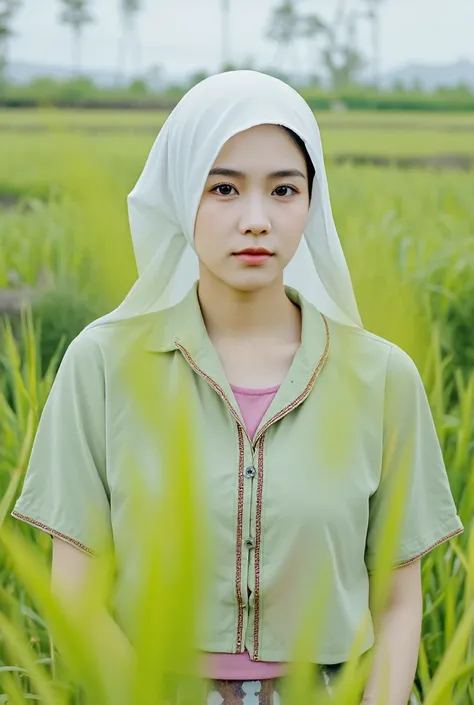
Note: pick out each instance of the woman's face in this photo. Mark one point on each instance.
(256, 199)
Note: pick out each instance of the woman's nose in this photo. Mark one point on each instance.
(254, 220)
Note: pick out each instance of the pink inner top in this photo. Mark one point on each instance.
(253, 404)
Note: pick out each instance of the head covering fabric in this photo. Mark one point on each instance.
(164, 203)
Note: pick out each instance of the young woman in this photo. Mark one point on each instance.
(306, 419)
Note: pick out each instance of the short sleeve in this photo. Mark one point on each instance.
(65, 492)
(412, 455)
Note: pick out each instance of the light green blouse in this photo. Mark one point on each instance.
(308, 494)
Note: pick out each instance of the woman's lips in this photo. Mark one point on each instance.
(253, 258)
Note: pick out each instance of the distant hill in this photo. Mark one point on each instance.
(21, 72)
(430, 77)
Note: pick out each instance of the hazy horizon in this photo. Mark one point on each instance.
(183, 37)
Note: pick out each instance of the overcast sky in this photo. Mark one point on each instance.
(184, 35)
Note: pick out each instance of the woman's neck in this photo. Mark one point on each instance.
(266, 313)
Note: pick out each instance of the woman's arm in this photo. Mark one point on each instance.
(397, 638)
(69, 572)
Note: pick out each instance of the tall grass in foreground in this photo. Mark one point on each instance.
(57, 657)
(87, 667)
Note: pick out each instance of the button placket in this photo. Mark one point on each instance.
(248, 473)
(248, 543)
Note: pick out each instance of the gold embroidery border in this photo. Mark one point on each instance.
(238, 565)
(241, 430)
(258, 542)
(307, 389)
(47, 529)
(430, 548)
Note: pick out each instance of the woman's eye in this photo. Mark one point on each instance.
(227, 190)
(279, 188)
(223, 189)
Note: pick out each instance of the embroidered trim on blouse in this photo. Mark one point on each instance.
(240, 500)
(238, 564)
(430, 548)
(307, 389)
(258, 540)
(53, 532)
(214, 385)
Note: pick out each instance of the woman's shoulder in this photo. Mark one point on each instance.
(104, 342)
(361, 345)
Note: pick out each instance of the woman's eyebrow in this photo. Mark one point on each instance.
(281, 174)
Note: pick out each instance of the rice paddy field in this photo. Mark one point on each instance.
(402, 189)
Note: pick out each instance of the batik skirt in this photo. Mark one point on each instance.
(262, 692)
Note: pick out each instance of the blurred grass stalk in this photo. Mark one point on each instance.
(165, 597)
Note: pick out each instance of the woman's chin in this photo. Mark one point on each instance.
(252, 281)
(246, 279)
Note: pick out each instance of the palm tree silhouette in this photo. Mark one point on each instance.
(76, 14)
(8, 8)
(129, 40)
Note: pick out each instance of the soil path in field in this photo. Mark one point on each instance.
(445, 160)
(8, 200)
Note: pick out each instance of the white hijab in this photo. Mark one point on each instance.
(164, 203)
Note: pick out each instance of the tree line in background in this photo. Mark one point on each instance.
(77, 14)
(331, 44)
(297, 31)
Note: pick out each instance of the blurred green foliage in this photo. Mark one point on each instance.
(47, 91)
(408, 238)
